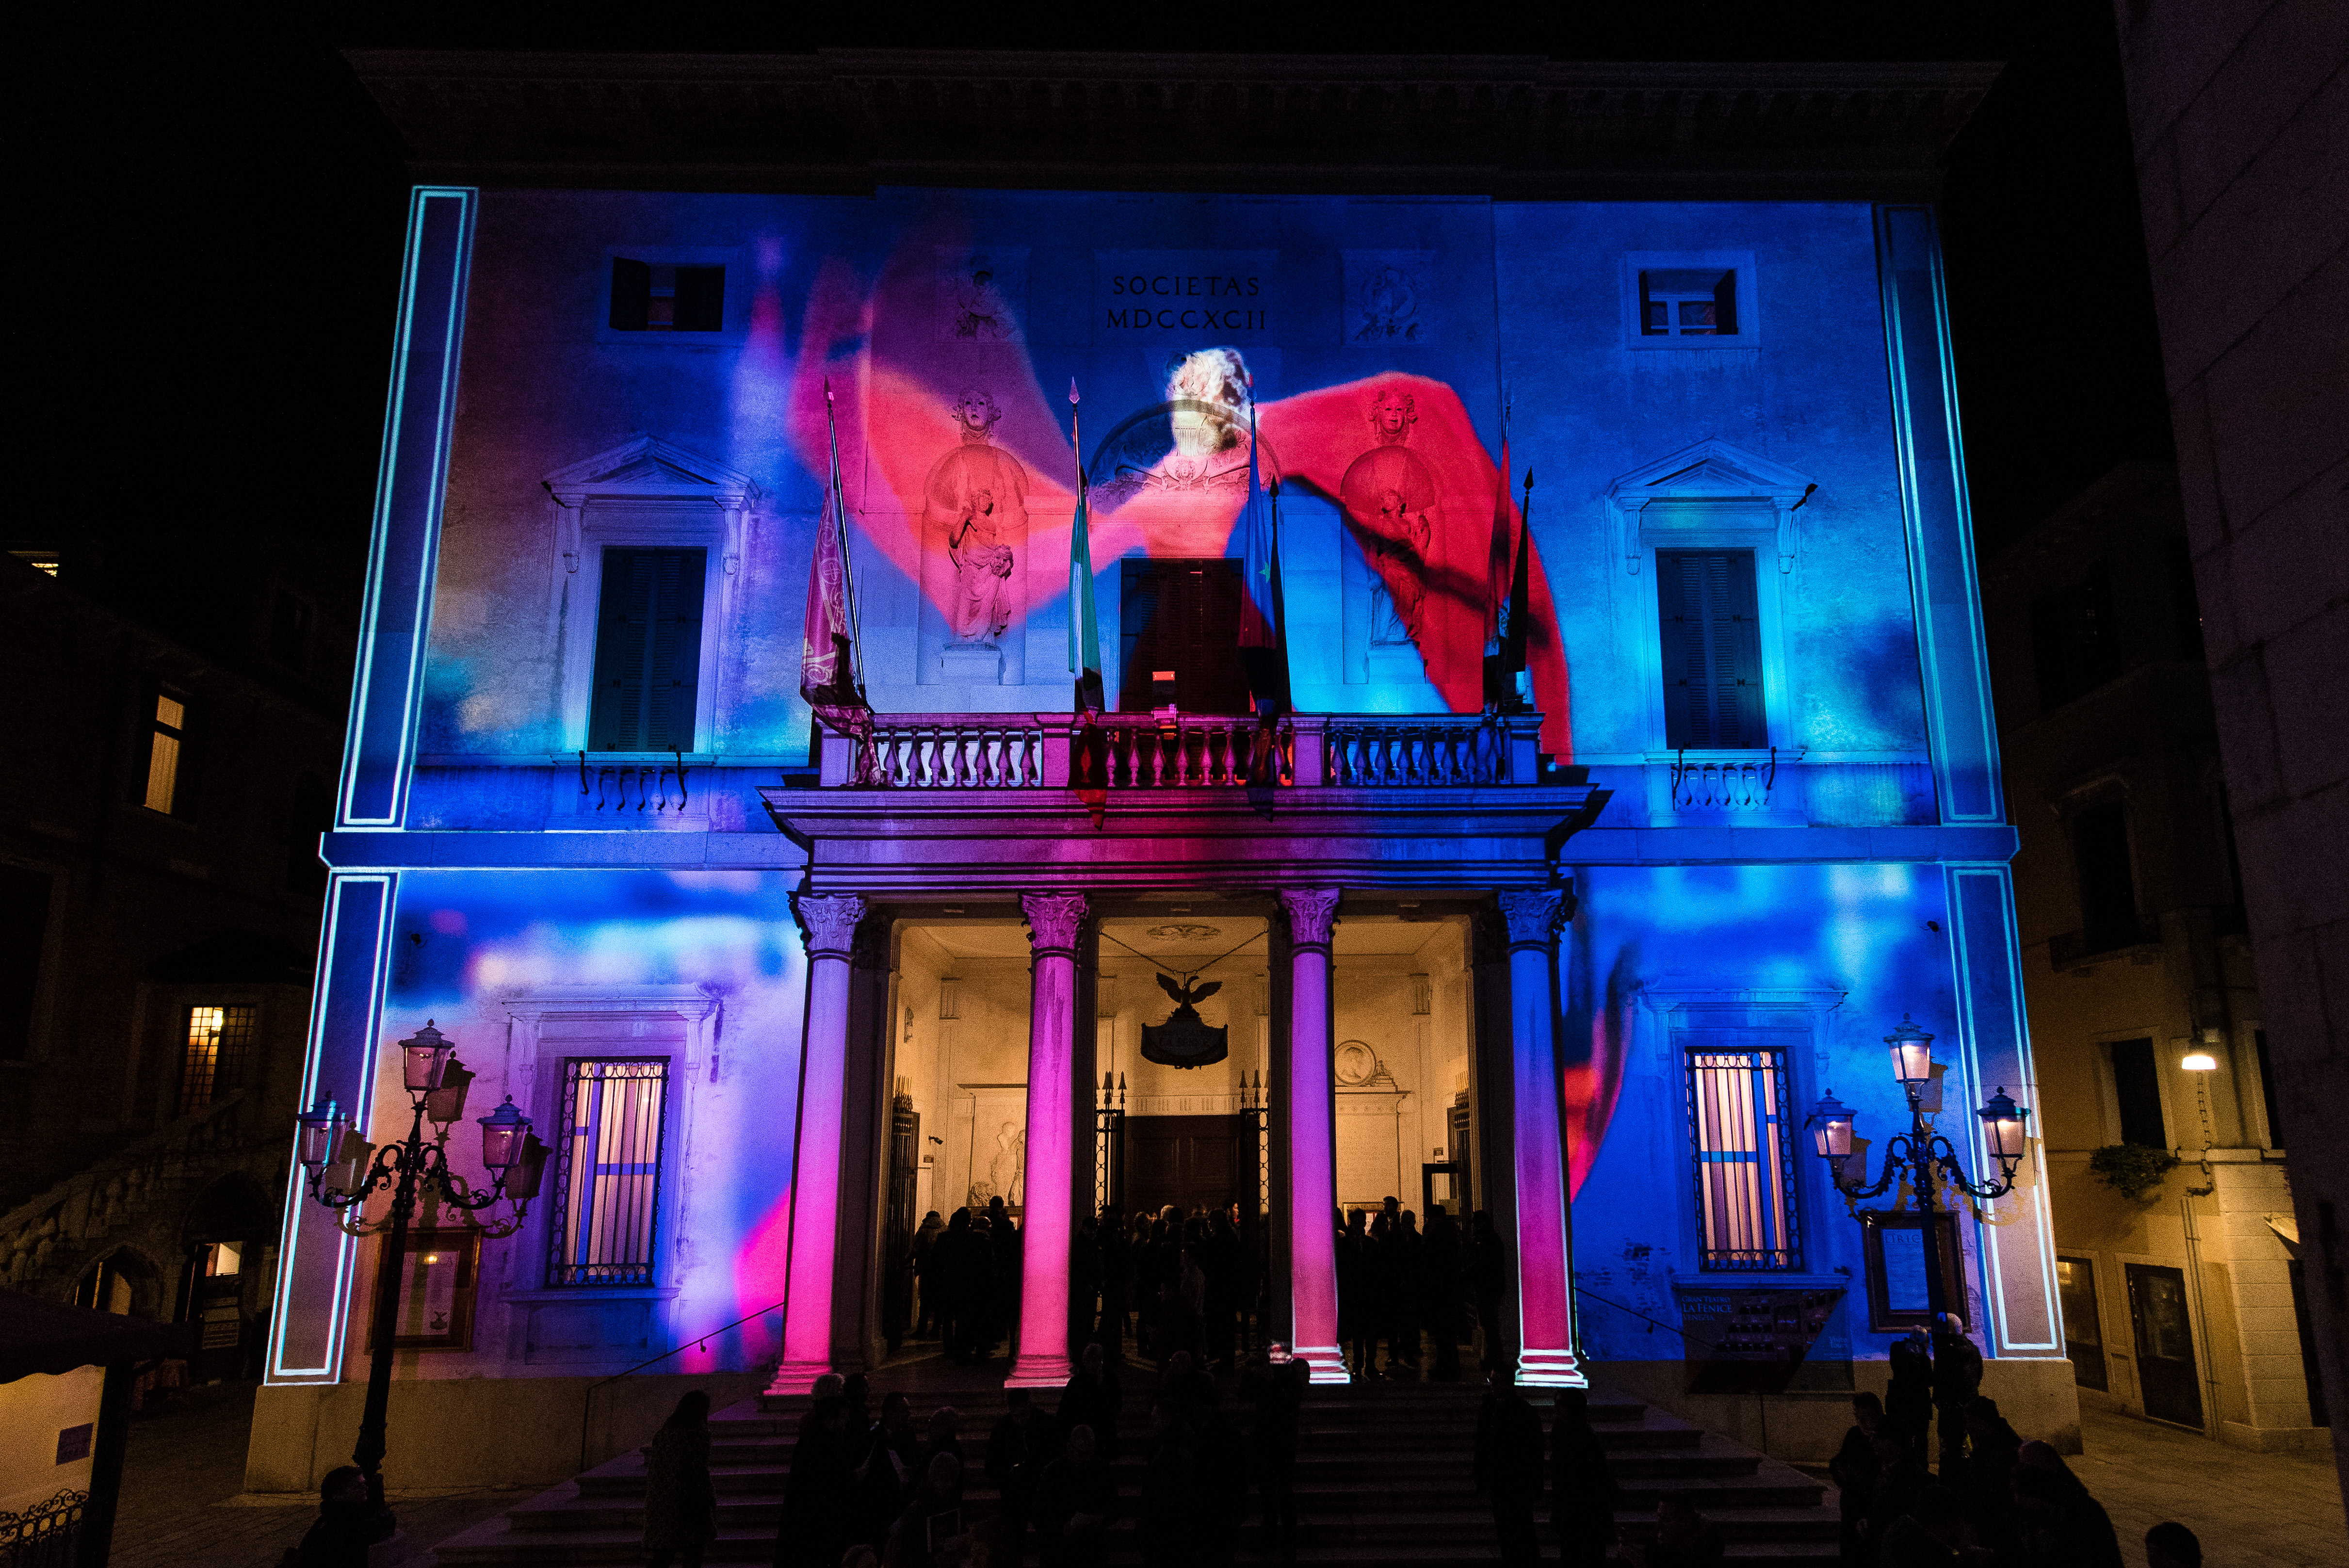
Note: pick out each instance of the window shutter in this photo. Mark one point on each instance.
(673, 666)
(1708, 635)
(632, 294)
(1725, 305)
(623, 622)
(700, 299)
(1139, 633)
(1647, 327)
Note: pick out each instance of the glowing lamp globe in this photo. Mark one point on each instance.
(1831, 1123)
(503, 1132)
(1912, 1053)
(424, 1058)
(321, 1133)
(2003, 1127)
(2199, 1062)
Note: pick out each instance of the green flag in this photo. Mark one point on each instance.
(1084, 620)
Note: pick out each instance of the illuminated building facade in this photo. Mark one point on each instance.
(1591, 956)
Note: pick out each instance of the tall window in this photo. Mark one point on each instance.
(218, 1056)
(2075, 644)
(647, 650)
(608, 1180)
(163, 753)
(2137, 1085)
(1711, 637)
(2100, 854)
(1745, 1160)
(1179, 622)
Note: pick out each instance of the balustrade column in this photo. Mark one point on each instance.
(1544, 1271)
(1312, 1137)
(830, 923)
(1053, 922)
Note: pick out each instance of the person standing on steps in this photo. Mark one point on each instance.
(1582, 1489)
(1957, 1379)
(1909, 1402)
(1488, 1281)
(1278, 1392)
(1076, 1499)
(820, 1484)
(1854, 1468)
(1509, 1466)
(1357, 1318)
(1439, 1293)
(680, 1503)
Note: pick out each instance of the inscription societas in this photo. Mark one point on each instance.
(1192, 302)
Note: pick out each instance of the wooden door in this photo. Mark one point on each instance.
(1179, 625)
(2164, 1344)
(1186, 1160)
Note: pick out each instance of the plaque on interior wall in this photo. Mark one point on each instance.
(1750, 1341)
(1185, 1040)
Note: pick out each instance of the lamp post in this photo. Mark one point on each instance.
(1921, 1152)
(436, 1083)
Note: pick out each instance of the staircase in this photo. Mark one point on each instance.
(1383, 1478)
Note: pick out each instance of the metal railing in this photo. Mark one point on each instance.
(46, 1536)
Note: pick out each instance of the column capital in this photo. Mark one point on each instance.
(1534, 915)
(829, 921)
(1312, 914)
(1053, 920)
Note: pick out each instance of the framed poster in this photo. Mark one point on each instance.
(435, 1276)
(1894, 1246)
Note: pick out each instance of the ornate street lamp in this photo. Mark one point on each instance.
(1922, 1152)
(436, 1083)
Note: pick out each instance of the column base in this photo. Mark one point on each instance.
(1329, 1362)
(798, 1377)
(1039, 1372)
(1549, 1370)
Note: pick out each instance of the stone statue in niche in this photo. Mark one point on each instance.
(1391, 500)
(976, 495)
(1387, 302)
(981, 313)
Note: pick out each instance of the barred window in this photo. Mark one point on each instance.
(1745, 1160)
(218, 1056)
(607, 1187)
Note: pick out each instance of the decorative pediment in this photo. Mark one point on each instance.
(1709, 487)
(645, 468)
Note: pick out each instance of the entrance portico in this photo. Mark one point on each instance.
(1474, 844)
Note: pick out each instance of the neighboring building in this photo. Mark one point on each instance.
(159, 885)
(1607, 951)
(2237, 118)
(2182, 1298)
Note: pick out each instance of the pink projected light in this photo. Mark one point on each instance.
(1545, 1301)
(1312, 1182)
(831, 923)
(1053, 920)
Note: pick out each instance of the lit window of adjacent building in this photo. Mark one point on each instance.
(218, 1053)
(655, 297)
(1694, 302)
(608, 1176)
(647, 650)
(1745, 1160)
(47, 560)
(164, 747)
(1710, 634)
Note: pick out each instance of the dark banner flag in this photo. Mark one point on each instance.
(830, 676)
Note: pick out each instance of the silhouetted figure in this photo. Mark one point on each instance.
(818, 1490)
(1220, 1261)
(1076, 1499)
(1908, 1401)
(1094, 1397)
(1956, 1379)
(1402, 1264)
(2171, 1545)
(1854, 1468)
(1583, 1494)
(1003, 1237)
(352, 1517)
(1439, 1293)
(963, 1266)
(1684, 1538)
(1900, 1475)
(945, 1437)
(1989, 1476)
(926, 1313)
(889, 1470)
(680, 1503)
(928, 1532)
(1358, 1328)
(1116, 1275)
(1166, 1528)
(2060, 1524)
(1509, 1466)
(1177, 1329)
(1933, 1534)
(1278, 1392)
(1015, 1458)
(857, 1389)
(1487, 1272)
(1222, 1481)
(1084, 1280)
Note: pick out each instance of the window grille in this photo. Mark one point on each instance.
(607, 1187)
(219, 1054)
(1745, 1160)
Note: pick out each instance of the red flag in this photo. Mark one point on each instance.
(830, 678)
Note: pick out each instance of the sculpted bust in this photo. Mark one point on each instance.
(1389, 498)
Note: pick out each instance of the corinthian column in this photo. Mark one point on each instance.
(1312, 1143)
(1053, 921)
(830, 922)
(1544, 1272)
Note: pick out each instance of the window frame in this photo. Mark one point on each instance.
(702, 648)
(737, 297)
(1707, 533)
(559, 1236)
(183, 1035)
(154, 726)
(1746, 287)
(1788, 1212)
(678, 525)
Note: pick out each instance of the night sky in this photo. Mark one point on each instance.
(210, 336)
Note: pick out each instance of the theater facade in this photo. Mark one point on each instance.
(1577, 947)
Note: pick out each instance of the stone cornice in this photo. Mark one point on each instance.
(1509, 126)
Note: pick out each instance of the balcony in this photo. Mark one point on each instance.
(1205, 751)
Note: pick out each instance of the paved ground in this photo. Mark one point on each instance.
(182, 1501)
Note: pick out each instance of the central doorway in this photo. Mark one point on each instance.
(1195, 1163)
